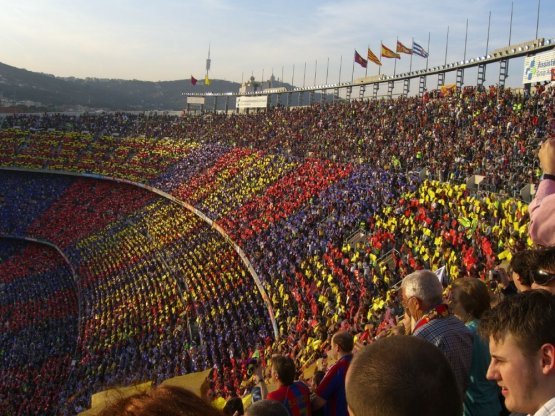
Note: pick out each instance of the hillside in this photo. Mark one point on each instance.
(23, 90)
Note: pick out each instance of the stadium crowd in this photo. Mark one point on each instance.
(486, 131)
(161, 294)
(39, 310)
(151, 293)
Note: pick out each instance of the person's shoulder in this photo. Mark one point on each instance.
(426, 329)
(451, 326)
(302, 386)
(276, 394)
(472, 326)
(339, 365)
(442, 327)
(456, 323)
(547, 409)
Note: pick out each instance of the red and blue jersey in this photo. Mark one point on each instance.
(295, 397)
(332, 388)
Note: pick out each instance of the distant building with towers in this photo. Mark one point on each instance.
(252, 85)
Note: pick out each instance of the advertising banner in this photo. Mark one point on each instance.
(539, 68)
(259, 101)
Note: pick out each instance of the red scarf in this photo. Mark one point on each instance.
(440, 311)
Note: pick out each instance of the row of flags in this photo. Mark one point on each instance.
(388, 53)
(384, 53)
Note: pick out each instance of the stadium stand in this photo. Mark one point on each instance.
(149, 270)
(38, 335)
(326, 202)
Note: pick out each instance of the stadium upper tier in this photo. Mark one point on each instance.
(161, 293)
(490, 132)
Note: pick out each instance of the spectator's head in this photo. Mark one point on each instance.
(469, 298)
(161, 401)
(420, 292)
(543, 275)
(521, 333)
(342, 343)
(283, 369)
(401, 376)
(234, 406)
(522, 263)
(267, 408)
(317, 378)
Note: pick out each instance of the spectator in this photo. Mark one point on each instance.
(521, 334)
(421, 294)
(469, 300)
(234, 407)
(317, 378)
(267, 408)
(402, 376)
(522, 263)
(518, 277)
(542, 208)
(543, 274)
(161, 401)
(330, 393)
(294, 395)
(314, 383)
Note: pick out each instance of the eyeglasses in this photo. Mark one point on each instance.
(541, 277)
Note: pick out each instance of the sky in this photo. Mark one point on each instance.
(166, 40)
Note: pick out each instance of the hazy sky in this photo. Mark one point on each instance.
(168, 39)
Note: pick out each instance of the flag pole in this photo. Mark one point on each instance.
(487, 40)
(340, 66)
(428, 51)
(304, 75)
(353, 71)
(380, 67)
(315, 69)
(293, 76)
(511, 23)
(410, 63)
(395, 63)
(510, 33)
(366, 70)
(446, 45)
(465, 40)
(327, 70)
(538, 20)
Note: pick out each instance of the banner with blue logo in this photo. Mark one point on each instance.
(539, 68)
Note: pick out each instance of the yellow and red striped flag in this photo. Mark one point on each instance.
(403, 49)
(388, 53)
(373, 58)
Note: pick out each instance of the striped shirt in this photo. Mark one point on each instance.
(295, 397)
(332, 388)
